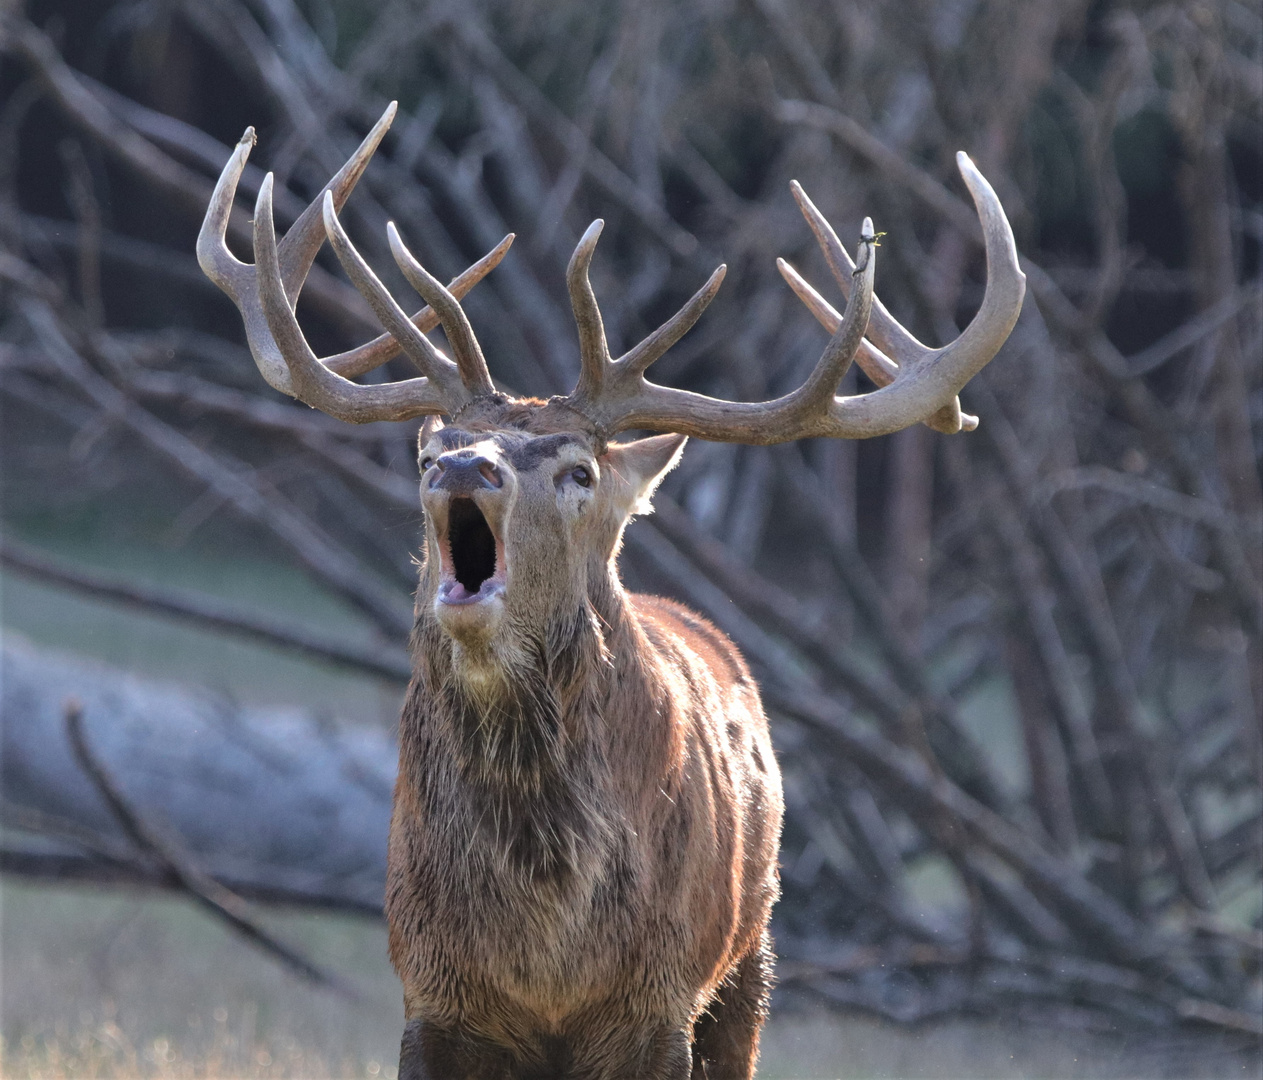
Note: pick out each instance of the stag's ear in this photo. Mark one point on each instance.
(633, 470)
(429, 426)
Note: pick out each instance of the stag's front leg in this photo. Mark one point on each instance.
(430, 1052)
(668, 1057)
(726, 1036)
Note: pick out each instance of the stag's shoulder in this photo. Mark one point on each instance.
(668, 624)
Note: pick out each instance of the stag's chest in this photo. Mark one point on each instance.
(528, 895)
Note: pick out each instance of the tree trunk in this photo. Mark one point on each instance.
(270, 800)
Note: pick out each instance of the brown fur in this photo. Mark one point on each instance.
(583, 849)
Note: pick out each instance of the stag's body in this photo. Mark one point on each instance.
(555, 850)
(588, 809)
(582, 856)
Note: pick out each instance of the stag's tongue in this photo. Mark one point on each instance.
(457, 592)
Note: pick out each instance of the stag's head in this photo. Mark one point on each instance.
(524, 516)
(526, 499)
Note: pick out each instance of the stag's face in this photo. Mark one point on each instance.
(519, 525)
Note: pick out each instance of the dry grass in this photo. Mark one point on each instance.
(227, 1046)
(114, 984)
(797, 1047)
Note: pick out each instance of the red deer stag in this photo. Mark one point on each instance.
(582, 858)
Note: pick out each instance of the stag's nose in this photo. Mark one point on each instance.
(462, 472)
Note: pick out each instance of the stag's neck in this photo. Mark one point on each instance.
(517, 768)
(514, 717)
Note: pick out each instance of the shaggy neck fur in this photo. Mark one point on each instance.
(524, 743)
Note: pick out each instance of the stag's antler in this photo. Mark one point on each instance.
(266, 293)
(917, 383)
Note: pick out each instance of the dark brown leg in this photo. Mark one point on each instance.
(432, 1053)
(601, 1050)
(726, 1036)
(669, 1057)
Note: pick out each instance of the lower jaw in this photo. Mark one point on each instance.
(454, 594)
(472, 620)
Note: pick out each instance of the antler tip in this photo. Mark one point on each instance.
(583, 252)
(402, 255)
(383, 125)
(332, 223)
(969, 172)
(248, 138)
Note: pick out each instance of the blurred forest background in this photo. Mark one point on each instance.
(1015, 676)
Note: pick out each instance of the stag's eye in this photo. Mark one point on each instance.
(581, 476)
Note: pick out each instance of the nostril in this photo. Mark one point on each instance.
(465, 473)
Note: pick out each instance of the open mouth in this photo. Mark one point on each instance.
(473, 567)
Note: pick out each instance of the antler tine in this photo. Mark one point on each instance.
(979, 342)
(236, 278)
(265, 294)
(875, 363)
(594, 353)
(822, 383)
(419, 349)
(637, 359)
(372, 354)
(636, 403)
(469, 358)
(599, 376)
(1006, 284)
(302, 242)
(217, 262)
(310, 380)
(888, 333)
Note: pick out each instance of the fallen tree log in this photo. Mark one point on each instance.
(273, 802)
